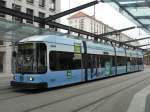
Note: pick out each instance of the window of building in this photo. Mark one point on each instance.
(52, 26)
(17, 8)
(57, 62)
(30, 1)
(53, 5)
(42, 3)
(70, 21)
(81, 24)
(41, 15)
(2, 3)
(105, 29)
(91, 25)
(30, 12)
(75, 26)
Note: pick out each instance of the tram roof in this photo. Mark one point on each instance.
(61, 38)
(70, 40)
(135, 10)
(52, 38)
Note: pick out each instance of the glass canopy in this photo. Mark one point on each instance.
(14, 31)
(137, 11)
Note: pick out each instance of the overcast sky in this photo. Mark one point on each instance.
(106, 14)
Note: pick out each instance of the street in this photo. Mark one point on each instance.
(108, 95)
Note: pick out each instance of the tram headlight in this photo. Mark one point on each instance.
(31, 78)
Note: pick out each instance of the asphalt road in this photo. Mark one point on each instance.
(147, 108)
(109, 95)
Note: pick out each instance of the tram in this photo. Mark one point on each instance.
(48, 61)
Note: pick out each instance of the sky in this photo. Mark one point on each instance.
(106, 14)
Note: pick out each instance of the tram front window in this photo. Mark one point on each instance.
(31, 58)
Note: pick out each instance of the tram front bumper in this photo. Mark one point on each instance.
(29, 85)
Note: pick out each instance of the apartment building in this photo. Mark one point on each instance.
(40, 8)
(88, 23)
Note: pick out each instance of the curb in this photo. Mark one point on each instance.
(139, 100)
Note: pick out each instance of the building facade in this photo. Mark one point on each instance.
(88, 23)
(40, 8)
(147, 58)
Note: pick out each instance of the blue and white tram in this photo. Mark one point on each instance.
(53, 60)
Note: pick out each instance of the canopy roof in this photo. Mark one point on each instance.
(13, 31)
(136, 10)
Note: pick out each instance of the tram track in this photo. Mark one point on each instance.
(13, 93)
(23, 94)
(12, 97)
(5, 88)
(93, 90)
(9, 90)
(108, 96)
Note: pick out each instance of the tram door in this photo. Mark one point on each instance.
(91, 66)
(128, 65)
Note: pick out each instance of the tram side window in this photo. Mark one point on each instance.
(103, 60)
(91, 61)
(128, 59)
(132, 61)
(140, 61)
(113, 61)
(136, 61)
(98, 61)
(107, 59)
(64, 61)
(121, 61)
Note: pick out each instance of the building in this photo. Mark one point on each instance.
(88, 23)
(40, 8)
(147, 59)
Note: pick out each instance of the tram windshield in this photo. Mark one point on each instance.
(31, 58)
